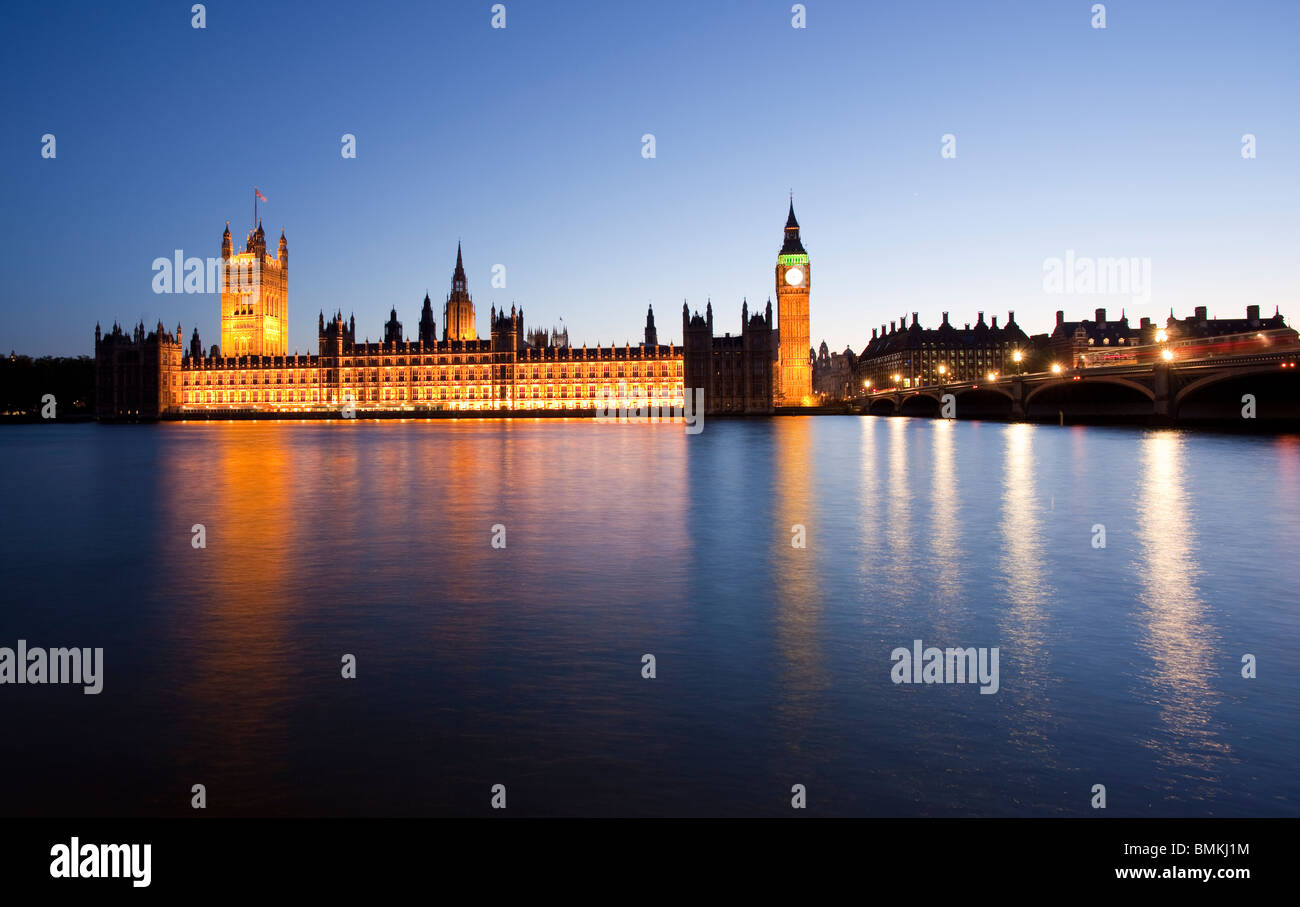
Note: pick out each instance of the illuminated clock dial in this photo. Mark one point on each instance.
(794, 277)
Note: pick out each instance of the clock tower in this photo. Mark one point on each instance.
(793, 278)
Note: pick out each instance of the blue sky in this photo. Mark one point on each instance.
(525, 144)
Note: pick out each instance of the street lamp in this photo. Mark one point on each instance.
(943, 370)
(1167, 354)
(1056, 368)
(993, 376)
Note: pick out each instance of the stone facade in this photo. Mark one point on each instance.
(736, 373)
(137, 375)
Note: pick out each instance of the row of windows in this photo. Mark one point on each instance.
(470, 374)
(427, 394)
(374, 361)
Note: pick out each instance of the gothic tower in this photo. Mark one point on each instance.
(458, 312)
(651, 335)
(254, 297)
(428, 329)
(793, 278)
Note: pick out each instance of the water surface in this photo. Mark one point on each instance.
(1119, 665)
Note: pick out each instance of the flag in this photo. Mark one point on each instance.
(258, 194)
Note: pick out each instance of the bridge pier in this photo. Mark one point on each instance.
(1017, 399)
(1162, 409)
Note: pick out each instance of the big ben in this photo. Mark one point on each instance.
(793, 278)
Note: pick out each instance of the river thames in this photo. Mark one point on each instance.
(522, 665)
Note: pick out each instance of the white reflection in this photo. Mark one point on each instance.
(1177, 638)
(1029, 591)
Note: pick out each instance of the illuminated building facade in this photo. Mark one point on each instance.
(254, 297)
(913, 356)
(461, 371)
(148, 376)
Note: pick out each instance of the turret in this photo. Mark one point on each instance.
(651, 335)
(393, 329)
(428, 328)
(226, 250)
(283, 253)
(256, 242)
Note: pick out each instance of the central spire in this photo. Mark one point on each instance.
(458, 313)
(459, 283)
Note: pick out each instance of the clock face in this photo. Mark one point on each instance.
(794, 277)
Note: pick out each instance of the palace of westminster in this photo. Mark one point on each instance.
(143, 375)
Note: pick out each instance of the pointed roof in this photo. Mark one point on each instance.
(792, 245)
(459, 283)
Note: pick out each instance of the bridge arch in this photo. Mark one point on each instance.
(920, 403)
(994, 388)
(881, 406)
(1070, 382)
(1220, 376)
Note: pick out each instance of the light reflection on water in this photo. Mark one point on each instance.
(523, 665)
(1178, 638)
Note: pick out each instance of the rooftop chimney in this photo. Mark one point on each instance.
(1100, 316)
(1252, 312)
(1060, 317)
(1200, 313)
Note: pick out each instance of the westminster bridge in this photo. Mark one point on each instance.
(1218, 390)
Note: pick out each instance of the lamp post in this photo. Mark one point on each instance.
(1162, 338)
(1019, 357)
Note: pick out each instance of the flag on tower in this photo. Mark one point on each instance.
(259, 194)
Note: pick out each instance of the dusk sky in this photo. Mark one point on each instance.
(525, 145)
